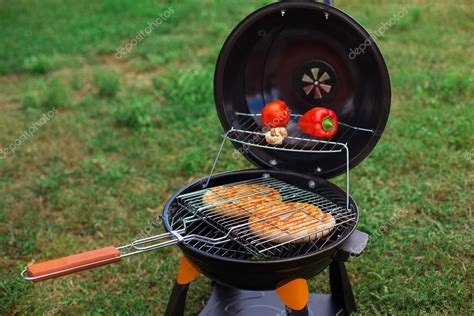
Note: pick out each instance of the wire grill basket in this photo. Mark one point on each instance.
(231, 236)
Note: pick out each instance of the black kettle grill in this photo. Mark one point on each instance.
(299, 52)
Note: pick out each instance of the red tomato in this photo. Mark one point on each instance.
(275, 114)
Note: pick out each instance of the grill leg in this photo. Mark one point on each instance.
(295, 295)
(339, 280)
(341, 287)
(301, 312)
(186, 273)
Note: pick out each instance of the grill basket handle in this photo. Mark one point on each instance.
(51, 269)
(42, 271)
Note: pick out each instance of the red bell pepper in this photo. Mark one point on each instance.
(319, 122)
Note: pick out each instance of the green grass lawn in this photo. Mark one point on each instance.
(98, 172)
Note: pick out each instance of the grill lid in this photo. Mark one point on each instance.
(305, 54)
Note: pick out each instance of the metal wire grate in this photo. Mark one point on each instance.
(252, 133)
(231, 236)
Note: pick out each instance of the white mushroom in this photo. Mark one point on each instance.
(276, 135)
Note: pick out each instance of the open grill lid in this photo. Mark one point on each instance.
(303, 53)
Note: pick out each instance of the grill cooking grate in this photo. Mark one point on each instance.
(230, 236)
(252, 133)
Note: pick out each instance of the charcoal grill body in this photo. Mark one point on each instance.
(267, 274)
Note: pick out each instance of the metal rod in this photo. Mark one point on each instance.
(215, 160)
(347, 176)
(329, 2)
(289, 149)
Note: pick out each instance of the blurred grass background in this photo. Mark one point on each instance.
(131, 131)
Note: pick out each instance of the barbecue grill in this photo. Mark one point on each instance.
(297, 51)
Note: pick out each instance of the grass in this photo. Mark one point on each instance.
(108, 85)
(99, 171)
(39, 65)
(138, 114)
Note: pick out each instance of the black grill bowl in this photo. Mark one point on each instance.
(265, 274)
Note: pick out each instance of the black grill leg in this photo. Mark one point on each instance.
(187, 272)
(177, 300)
(341, 287)
(301, 312)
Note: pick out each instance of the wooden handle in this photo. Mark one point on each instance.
(71, 264)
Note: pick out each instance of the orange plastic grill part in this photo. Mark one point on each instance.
(187, 272)
(294, 294)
